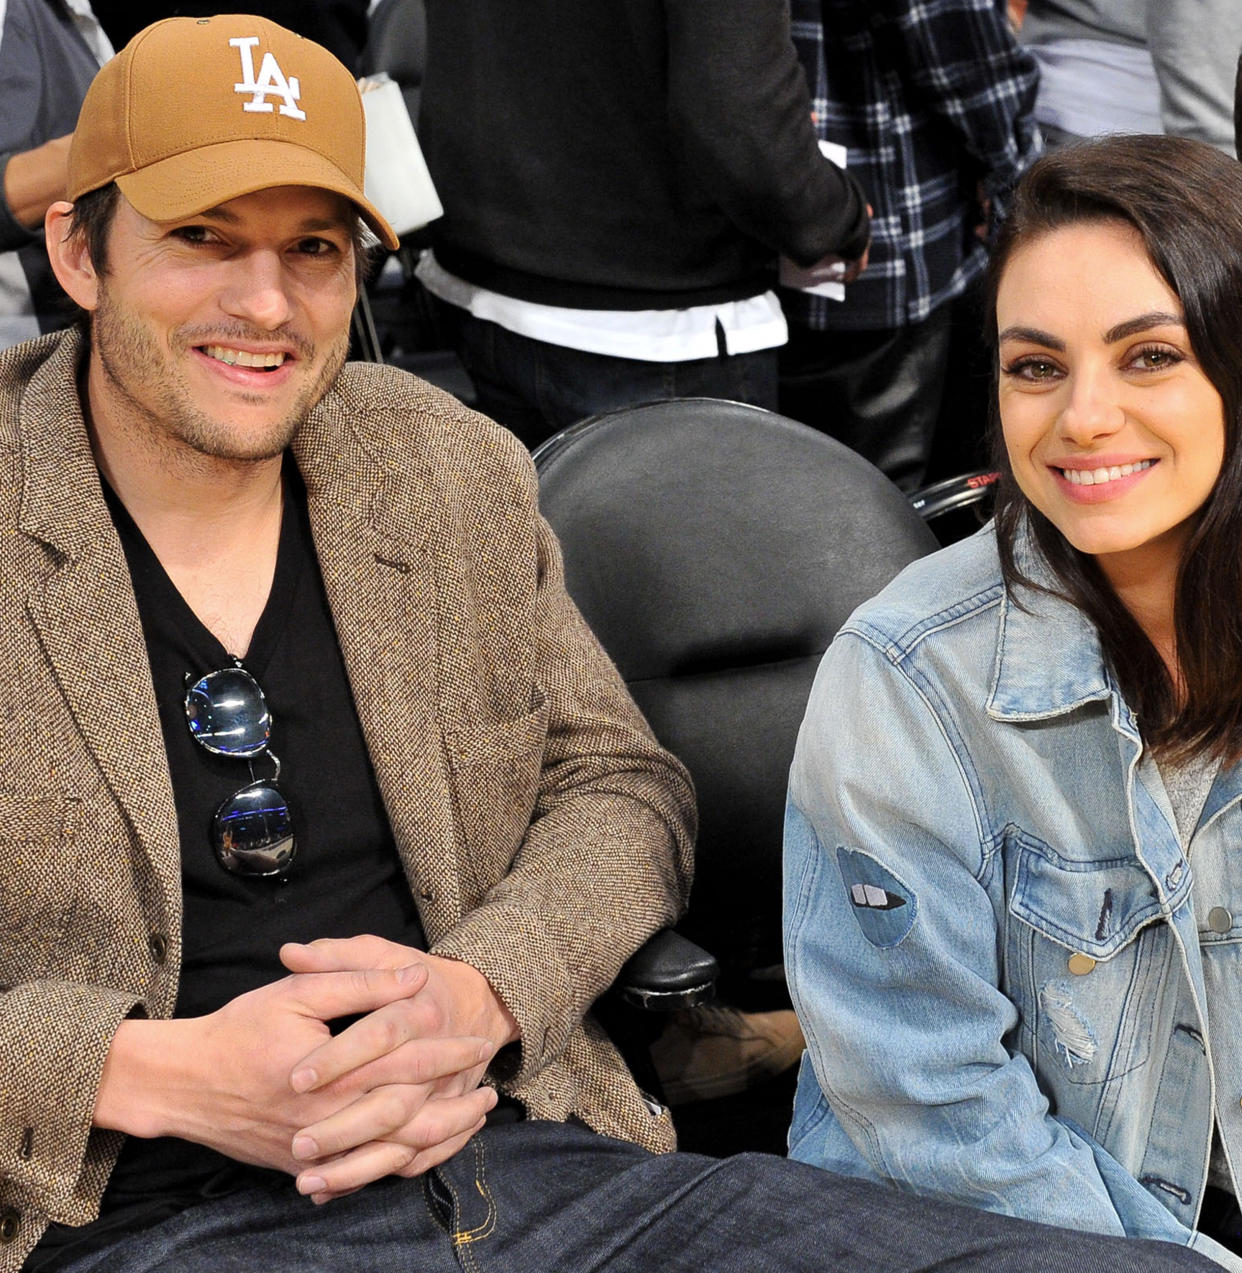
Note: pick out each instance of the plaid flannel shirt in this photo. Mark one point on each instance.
(933, 101)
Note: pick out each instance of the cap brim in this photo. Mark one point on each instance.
(186, 184)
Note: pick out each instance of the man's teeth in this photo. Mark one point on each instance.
(240, 357)
(1097, 477)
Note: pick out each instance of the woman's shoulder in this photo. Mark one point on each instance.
(940, 593)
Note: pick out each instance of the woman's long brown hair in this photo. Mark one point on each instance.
(1185, 199)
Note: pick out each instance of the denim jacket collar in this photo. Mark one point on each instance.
(1048, 656)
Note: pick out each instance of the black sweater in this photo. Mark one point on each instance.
(626, 154)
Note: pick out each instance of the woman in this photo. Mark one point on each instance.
(1014, 934)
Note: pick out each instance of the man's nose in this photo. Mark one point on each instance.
(258, 290)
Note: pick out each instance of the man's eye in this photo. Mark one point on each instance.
(316, 247)
(192, 233)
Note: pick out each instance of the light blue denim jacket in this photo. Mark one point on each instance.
(990, 938)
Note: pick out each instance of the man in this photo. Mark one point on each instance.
(616, 190)
(932, 102)
(292, 686)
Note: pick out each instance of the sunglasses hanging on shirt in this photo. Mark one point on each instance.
(251, 831)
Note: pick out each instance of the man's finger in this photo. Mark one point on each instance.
(377, 1035)
(440, 1128)
(329, 995)
(409, 1064)
(384, 1109)
(425, 1159)
(343, 954)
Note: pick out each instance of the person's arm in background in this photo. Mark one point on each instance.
(738, 99)
(47, 58)
(963, 60)
(1195, 45)
(32, 181)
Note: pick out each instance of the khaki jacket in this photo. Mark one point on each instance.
(542, 830)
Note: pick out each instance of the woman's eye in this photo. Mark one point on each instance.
(1032, 369)
(1155, 358)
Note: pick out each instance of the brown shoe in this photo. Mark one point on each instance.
(715, 1050)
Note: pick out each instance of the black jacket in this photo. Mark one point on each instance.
(626, 154)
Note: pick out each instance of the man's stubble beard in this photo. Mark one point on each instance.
(169, 416)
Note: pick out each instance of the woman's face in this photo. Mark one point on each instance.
(1113, 430)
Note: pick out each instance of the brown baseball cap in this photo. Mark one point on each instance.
(195, 111)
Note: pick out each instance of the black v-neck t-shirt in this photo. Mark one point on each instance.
(346, 876)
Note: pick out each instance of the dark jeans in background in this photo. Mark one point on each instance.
(537, 1197)
(913, 400)
(536, 389)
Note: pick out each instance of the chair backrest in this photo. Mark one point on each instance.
(715, 549)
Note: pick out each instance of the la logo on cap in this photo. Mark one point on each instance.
(271, 81)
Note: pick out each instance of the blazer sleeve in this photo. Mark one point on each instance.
(606, 858)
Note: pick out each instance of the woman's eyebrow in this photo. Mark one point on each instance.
(1131, 327)
(1032, 334)
(1144, 322)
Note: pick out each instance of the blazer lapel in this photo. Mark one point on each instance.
(380, 584)
(85, 613)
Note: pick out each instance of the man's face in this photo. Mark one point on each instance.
(219, 333)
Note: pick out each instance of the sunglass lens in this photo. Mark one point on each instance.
(228, 714)
(252, 832)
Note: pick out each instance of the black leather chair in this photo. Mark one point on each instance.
(957, 506)
(715, 549)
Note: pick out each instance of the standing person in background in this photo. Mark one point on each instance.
(616, 189)
(1135, 66)
(932, 102)
(49, 53)
(339, 25)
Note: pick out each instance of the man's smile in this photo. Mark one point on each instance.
(243, 358)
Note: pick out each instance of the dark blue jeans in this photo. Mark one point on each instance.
(536, 389)
(555, 1198)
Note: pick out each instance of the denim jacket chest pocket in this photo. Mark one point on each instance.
(1085, 959)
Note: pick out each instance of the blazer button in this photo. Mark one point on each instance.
(1219, 920)
(157, 943)
(10, 1223)
(1080, 964)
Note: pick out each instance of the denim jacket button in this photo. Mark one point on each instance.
(1219, 920)
(1080, 964)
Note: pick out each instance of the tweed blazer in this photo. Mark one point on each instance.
(543, 831)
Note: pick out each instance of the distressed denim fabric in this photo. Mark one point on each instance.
(557, 1198)
(990, 935)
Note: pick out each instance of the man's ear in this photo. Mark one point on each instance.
(70, 258)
